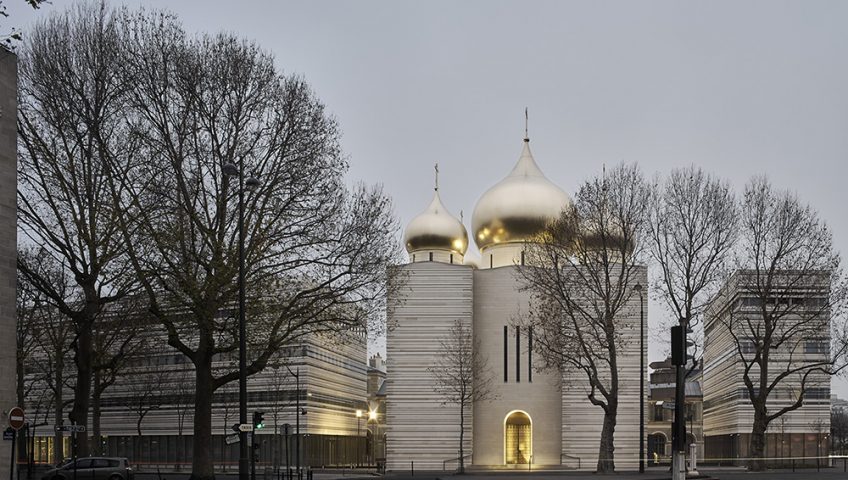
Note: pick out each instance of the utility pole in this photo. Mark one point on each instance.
(678, 429)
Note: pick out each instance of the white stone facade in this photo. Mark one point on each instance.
(728, 413)
(540, 417)
(565, 426)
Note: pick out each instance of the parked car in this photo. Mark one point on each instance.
(92, 468)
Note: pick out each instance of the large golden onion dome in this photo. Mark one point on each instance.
(519, 207)
(436, 229)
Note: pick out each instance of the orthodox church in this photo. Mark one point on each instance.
(538, 418)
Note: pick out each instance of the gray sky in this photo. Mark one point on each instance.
(739, 88)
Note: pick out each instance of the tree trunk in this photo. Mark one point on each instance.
(201, 463)
(58, 414)
(606, 451)
(82, 390)
(461, 437)
(95, 416)
(758, 441)
(23, 433)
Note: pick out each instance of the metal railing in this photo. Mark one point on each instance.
(803, 462)
(445, 463)
(570, 457)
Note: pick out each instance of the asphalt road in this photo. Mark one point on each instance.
(651, 474)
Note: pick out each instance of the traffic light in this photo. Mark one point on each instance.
(258, 420)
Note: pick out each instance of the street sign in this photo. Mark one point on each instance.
(70, 428)
(16, 418)
(231, 439)
(245, 427)
(8, 434)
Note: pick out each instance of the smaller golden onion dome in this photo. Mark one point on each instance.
(436, 229)
(612, 241)
(519, 207)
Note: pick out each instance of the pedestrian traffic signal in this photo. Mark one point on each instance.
(258, 420)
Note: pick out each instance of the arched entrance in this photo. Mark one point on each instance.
(656, 447)
(518, 438)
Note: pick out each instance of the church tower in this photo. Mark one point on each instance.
(539, 417)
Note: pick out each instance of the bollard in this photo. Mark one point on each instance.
(793, 464)
(412, 468)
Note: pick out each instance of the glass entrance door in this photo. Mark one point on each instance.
(518, 438)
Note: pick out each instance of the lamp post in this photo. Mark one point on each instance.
(251, 183)
(638, 289)
(298, 413)
(372, 417)
(358, 436)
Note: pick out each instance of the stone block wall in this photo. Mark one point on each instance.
(8, 242)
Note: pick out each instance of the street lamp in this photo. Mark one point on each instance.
(372, 417)
(251, 183)
(638, 289)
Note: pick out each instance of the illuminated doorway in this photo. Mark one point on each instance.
(518, 438)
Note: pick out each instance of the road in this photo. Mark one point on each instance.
(729, 473)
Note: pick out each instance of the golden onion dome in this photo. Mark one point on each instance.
(612, 240)
(519, 207)
(436, 229)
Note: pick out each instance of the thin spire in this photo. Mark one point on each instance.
(437, 176)
(526, 122)
(461, 217)
(604, 177)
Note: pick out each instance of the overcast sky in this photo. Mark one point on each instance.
(739, 88)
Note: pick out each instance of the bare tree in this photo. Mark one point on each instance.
(279, 385)
(117, 339)
(839, 430)
(28, 302)
(70, 117)
(461, 376)
(820, 428)
(8, 39)
(226, 393)
(792, 339)
(52, 334)
(183, 395)
(143, 395)
(693, 230)
(584, 270)
(693, 221)
(316, 251)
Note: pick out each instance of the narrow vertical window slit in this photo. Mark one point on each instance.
(506, 351)
(517, 354)
(530, 354)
